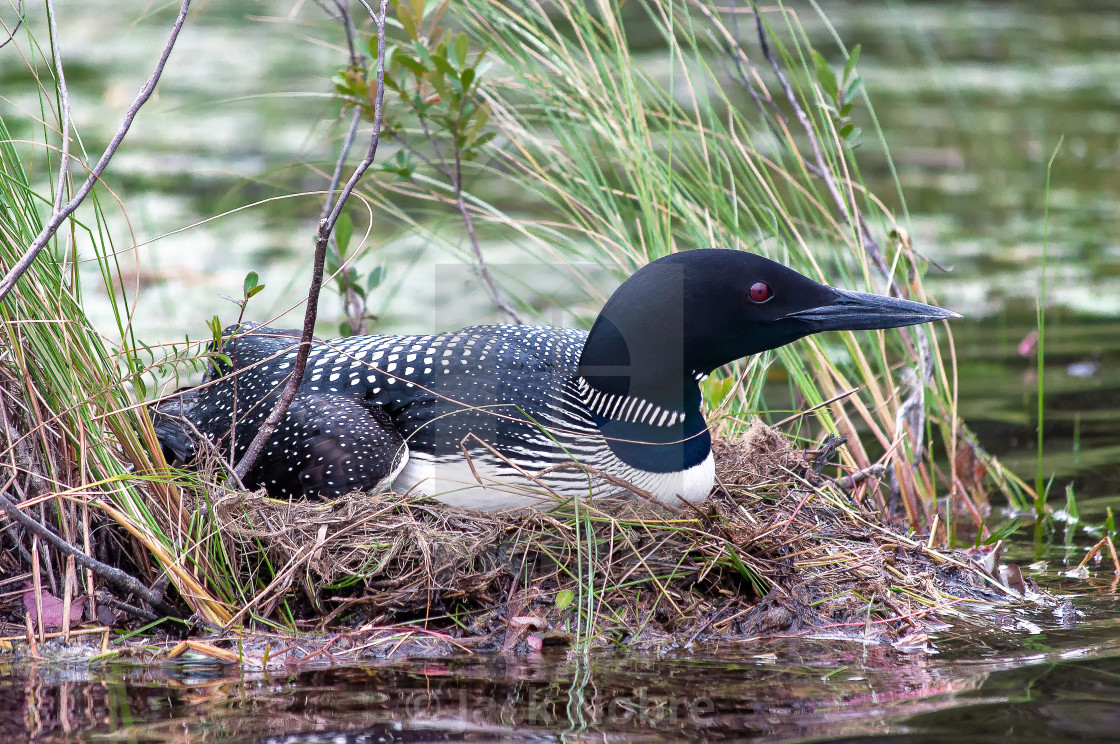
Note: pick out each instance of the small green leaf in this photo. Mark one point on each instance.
(1073, 516)
(415, 66)
(254, 291)
(479, 142)
(1109, 522)
(344, 329)
(477, 121)
(716, 389)
(467, 78)
(342, 83)
(417, 9)
(825, 76)
(141, 387)
(852, 90)
(343, 231)
(251, 280)
(564, 599)
(851, 63)
(408, 22)
(1005, 531)
(403, 166)
(441, 64)
(846, 130)
(375, 278)
(355, 82)
(438, 82)
(461, 47)
(215, 326)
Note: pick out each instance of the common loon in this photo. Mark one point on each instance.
(498, 416)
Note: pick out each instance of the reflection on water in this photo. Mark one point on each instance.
(768, 692)
(794, 690)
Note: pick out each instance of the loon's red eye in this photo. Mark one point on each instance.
(761, 292)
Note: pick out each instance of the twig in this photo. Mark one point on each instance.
(348, 27)
(337, 175)
(1104, 542)
(12, 34)
(283, 579)
(79, 631)
(455, 176)
(326, 227)
(64, 109)
(483, 269)
(830, 401)
(353, 305)
(58, 216)
(820, 169)
(762, 98)
(211, 447)
(803, 118)
(140, 612)
(118, 578)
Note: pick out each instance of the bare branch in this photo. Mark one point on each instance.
(454, 174)
(118, 578)
(326, 227)
(12, 34)
(59, 216)
(348, 27)
(328, 205)
(483, 269)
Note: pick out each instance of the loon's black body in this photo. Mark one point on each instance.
(523, 402)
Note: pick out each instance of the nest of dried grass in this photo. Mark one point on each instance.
(778, 549)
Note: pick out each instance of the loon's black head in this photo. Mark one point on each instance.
(688, 313)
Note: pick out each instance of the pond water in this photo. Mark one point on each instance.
(973, 98)
(1053, 685)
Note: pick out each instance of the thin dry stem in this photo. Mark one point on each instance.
(58, 216)
(326, 227)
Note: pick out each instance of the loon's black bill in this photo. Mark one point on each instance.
(863, 311)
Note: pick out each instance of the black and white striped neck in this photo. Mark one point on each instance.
(627, 408)
(649, 435)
